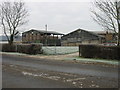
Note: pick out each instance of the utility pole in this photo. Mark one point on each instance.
(46, 35)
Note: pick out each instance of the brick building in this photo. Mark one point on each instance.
(110, 37)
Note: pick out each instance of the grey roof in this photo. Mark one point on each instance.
(96, 34)
(85, 31)
(45, 32)
(102, 32)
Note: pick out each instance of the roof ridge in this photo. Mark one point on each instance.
(44, 31)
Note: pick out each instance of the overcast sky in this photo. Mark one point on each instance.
(60, 15)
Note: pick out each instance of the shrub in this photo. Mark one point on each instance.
(96, 51)
(8, 48)
(22, 48)
(29, 48)
(88, 51)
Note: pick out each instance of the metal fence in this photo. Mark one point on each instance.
(59, 49)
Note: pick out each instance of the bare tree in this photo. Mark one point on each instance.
(12, 15)
(106, 14)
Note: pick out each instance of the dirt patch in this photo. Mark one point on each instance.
(58, 57)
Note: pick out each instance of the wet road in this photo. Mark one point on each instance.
(25, 69)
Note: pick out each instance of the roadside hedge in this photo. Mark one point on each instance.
(97, 51)
(29, 48)
(23, 48)
(8, 48)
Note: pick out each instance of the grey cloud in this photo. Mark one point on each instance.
(62, 17)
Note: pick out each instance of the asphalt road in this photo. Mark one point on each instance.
(24, 72)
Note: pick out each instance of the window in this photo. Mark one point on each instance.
(24, 35)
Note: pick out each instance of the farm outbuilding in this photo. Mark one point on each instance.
(110, 36)
(81, 36)
(49, 38)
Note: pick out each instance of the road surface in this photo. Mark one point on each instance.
(26, 72)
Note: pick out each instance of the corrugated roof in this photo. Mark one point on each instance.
(85, 31)
(101, 32)
(45, 32)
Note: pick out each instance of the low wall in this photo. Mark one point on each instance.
(59, 49)
(96, 51)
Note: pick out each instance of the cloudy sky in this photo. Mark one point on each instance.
(60, 15)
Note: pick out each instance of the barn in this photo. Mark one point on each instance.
(49, 38)
(81, 36)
